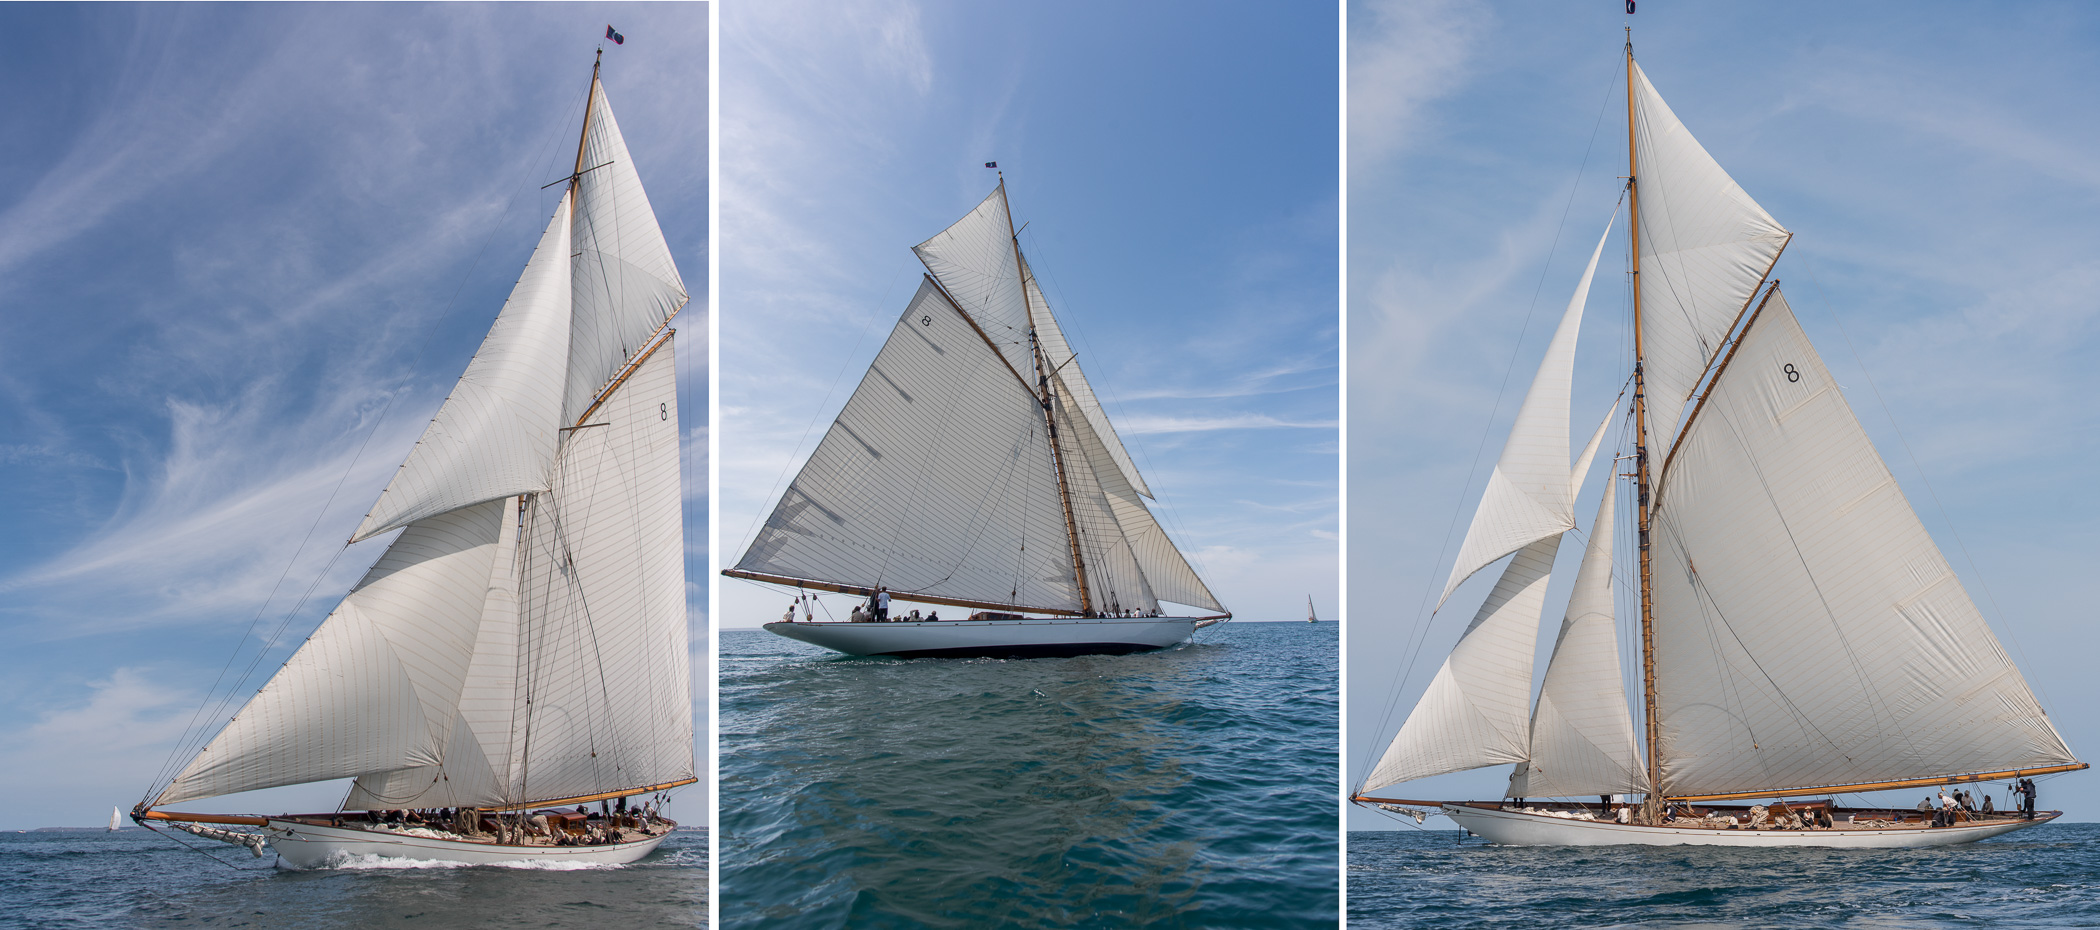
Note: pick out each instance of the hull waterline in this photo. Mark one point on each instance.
(998, 639)
(308, 846)
(1516, 828)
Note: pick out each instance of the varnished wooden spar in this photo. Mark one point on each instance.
(1887, 785)
(238, 819)
(1651, 810)
(251, 821)
(906, 595)
(1047, 399)
(600, 796)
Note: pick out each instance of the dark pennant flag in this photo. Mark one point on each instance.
(991, 164)
(619, 39)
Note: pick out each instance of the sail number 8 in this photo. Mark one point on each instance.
(663, 412)
(1791, 373)
(926, 321)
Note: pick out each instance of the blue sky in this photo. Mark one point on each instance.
(1176, 167)
(1932, 159)
(227, 235)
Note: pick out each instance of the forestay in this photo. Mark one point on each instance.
(1807, 630)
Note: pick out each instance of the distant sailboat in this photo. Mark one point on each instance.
(974, 468)
(115, 815)
(1801, 634)
(1310, 615)
(522, 644)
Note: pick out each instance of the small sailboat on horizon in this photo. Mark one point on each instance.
(1800, 634)
(974, 467)
(522, 644)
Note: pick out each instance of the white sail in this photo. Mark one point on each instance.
(1807, 630)
(974, 259)
(625, 285)
(1705, 245)
(1528, 496)
(1058, 357)
(1476, 711)
(495, 434)
(1581, 734)
(935, 479)
(605, 693)
(476, 666)
(377, 686)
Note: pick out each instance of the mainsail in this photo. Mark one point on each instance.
(1807, 630)
(940, 479)
(524, 638)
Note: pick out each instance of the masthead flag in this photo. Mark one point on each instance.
(617, 38)
(991, 164)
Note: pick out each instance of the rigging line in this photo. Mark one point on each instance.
(1420, 635)
(928, 451)
(1179, 528)
(423, 346)
(845, 364)
(1777, 690)
(1877, 701)
(1830, 308)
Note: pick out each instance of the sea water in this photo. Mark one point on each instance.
(136, 878)
(1191, 787)
(2048, 876)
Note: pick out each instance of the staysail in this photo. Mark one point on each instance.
(1808, 631)
(1581, 734)
(939, 479)
(525, 636)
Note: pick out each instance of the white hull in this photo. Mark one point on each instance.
(308, 846)
(1516, 828)
(995, 638)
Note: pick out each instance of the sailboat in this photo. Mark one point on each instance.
(1800, 634)
(520, 649)
(974, 467)
(1310, 615)
(115, 816)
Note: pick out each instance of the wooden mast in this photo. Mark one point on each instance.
(1047, 399)
(1651, 809)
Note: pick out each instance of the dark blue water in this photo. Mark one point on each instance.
(133, 878)
(1193, 787)
(2045, 877)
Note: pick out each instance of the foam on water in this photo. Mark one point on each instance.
(369, 861)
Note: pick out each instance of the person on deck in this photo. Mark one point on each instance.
(1947, 809)
(882, 604)
(2027, 798)
(1987, 808)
